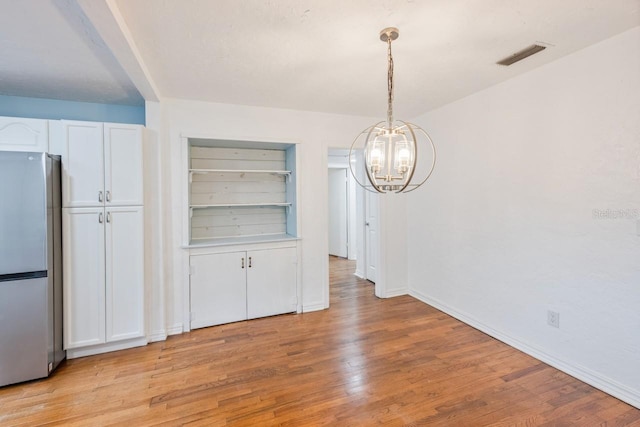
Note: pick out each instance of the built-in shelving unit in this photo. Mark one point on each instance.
(240, 190)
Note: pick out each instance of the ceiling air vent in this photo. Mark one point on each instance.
(519, 56)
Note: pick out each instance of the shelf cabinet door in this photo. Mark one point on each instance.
(84, 277)
(18, 134)
(124, 263)
(271, 282)
(218, 289)
(83, 164)
(123, 164)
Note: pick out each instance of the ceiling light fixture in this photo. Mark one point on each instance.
(390, 148)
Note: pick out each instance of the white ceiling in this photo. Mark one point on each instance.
(49, 49)
(316, 55)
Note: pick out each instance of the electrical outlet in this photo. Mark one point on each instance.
(553, 319)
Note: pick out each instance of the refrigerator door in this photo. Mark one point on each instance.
(23, 213)
(23, 330)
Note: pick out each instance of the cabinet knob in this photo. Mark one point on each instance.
(108, 196)
(249, 262)
(100, 197)
(242, 262)
(108, 216)
(100, 218)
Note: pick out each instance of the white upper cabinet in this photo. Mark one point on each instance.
(122, 164)
(19, 134)
(83, 165)
(102, 164)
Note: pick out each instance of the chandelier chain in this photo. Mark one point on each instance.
(389, 84)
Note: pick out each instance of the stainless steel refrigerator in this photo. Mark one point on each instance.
(30, 266)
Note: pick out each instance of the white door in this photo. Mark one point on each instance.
(218, 288)
(83, 166)
(371, 235)
(84, 277)
(338, 219)
(124, 247)
(271, 282)
(123, 164)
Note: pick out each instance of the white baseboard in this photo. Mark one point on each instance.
(74, 353)
(390, 293)
(313, 307)
(176, 329)
(597, 380)
(359, 274)
(156, 336)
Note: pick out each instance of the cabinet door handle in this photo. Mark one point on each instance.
(100, 198)
(100, 218)
(242, 262)
(249, 262)
(108, 196)
(108, 216)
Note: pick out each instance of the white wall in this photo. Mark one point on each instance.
(315, 132)
(514, 221)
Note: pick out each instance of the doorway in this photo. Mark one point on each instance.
(338, 213)
(353, 221)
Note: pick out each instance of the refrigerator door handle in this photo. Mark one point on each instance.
(100, 198)
(100, 218)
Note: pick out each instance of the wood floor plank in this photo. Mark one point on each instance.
(365, 361)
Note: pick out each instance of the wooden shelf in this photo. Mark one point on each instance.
(286, 174)
(240, 240)
(272, 172)
(236, 205)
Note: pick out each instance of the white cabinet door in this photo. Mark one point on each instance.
(18, 134)
(271, 282)
(124, 246)
(84, 277)
(218, 288)
(123, 164)
(83, 165)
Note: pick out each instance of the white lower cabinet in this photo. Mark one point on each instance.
(271, 282)
(124, 247)
(84, 277)
(103, 257)
(232, 286)
(218, 289)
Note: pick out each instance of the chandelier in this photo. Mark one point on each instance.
(390, 147)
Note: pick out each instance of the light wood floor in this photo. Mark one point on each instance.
(365, 361)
